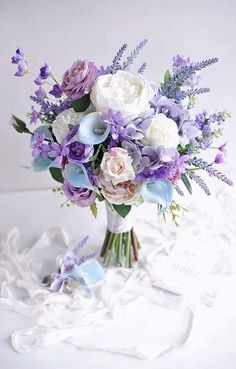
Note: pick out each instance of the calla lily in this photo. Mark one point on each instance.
(92, 129)
(90, 272)
(77, 176)
(158, 191)
(41, 164)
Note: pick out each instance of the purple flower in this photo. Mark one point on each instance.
(223, 149)
(40, 93)
(56, 91)
(134, 151)
(222, 153)
(58, 151)
(19, 55)
(219, 158)
(39, 147)
(38, 81)
(21, 62)
(79, 79)
(172, 110)
(22, 68)
(80, 196)
(177, 165)
(45, 71)
(121, 130)
(35, 116)
(182, 61)
(79, 152)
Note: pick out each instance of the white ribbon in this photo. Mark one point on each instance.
(117, 224)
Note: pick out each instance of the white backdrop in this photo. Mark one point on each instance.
(59, 32)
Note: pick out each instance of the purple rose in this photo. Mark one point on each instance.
(79, 79)
(79, 152)
(80, 196)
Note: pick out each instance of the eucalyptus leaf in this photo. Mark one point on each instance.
(167, 76)
(19, 125)
(81, 104)
(123, 210)
(94, 209)
(186, 182)
(56, 174)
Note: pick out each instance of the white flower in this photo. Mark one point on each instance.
(128, 193)
(123, 91)
(162, 131)
(116, 166)
(66, 118)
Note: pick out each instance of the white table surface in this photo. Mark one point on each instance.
(32, 213)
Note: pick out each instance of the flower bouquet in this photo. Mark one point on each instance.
(107, 134)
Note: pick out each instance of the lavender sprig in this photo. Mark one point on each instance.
(211, 171)
(87, 257)
(173, 84)
(48, 110)
(116, 60)
(194, 92)
(81, 245)
(178, 190)
(194, 177)
(133, 55)
(142, 68)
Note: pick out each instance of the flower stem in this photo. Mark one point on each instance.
(120, 247)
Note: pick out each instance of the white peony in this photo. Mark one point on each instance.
(162, 131)
(66, 118)
(123, 91)
(116, 166)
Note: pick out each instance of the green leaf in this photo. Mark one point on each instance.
(187, 183)
(100, 198)
(19, 125)
(81, 104)
(123, 210)
(94, 209)
(167, 76)
(56, 174)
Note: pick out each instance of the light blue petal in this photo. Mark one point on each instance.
(90, 272)
(42, 129)
(92, 129)
(77, 176)
(40, 164)
(158, 191)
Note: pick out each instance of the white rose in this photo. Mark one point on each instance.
(162, 131)
(123, 91)
(116, 166)
(66, 118)
(127, 193)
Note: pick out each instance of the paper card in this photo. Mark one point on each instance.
(186, 270)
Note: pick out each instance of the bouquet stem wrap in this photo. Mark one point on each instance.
(121, 244)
